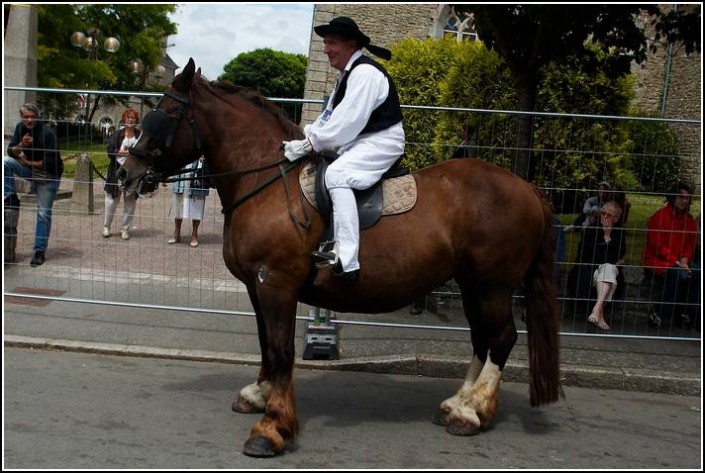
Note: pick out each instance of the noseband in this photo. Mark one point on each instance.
(160, 127)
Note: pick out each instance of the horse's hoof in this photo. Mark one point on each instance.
(458, 427)
(259, 447)
(243, 406)
(440, 418)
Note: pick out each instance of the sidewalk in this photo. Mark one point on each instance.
(145, 273)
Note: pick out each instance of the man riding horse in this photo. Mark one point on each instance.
(362, 122)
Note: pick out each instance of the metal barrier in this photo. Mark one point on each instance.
(85, 267)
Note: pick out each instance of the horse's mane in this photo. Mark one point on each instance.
(290, 128)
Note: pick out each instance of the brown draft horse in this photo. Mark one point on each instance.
(479, 224)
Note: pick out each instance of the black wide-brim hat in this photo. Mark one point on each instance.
(347, 28)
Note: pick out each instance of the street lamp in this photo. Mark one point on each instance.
(89, 42)
(143, 72)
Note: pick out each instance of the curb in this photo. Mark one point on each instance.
(684, 384)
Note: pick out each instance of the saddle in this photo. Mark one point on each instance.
(395, 193)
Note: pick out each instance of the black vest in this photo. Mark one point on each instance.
(384, 116)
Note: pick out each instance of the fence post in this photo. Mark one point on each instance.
(82, 196)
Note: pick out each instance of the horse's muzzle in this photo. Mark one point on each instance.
(148, 183)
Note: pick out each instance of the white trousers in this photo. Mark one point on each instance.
(359, 167)
(128, 213)
(346, 227)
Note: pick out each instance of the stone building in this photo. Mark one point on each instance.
(669, 82)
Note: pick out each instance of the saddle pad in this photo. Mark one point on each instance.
(399, 193)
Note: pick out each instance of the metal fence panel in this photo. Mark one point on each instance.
(84, 266)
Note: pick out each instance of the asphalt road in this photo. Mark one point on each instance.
(79, 410)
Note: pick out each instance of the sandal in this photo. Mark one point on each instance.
(174, 239)
(193, 243)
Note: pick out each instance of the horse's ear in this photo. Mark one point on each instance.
(182, 82)
(198, 72)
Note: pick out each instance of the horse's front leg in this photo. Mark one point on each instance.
(276, 320)
(253, 397)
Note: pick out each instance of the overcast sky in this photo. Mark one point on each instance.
(214, 34)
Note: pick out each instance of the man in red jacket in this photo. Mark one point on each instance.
(668, 254)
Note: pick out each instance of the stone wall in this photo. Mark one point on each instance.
(679, 77)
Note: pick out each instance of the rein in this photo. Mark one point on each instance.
(222, 174)
(306, 222)
(282, 174)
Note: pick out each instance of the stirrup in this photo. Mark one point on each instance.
(327, 245)
(324, 259)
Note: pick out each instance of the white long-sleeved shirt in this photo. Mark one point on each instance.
(339, 129)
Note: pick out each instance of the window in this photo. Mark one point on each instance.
(462, 29)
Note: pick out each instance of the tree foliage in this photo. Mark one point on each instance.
(419, 67)
(682, 25)
(271, 73)
(529, 37)
(142, 30)
(571, 153)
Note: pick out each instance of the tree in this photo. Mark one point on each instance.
(140, 28)
(529, 37)
(271, 73)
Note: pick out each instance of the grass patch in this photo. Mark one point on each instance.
(98, 154)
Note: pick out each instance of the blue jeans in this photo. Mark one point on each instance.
(45, 189)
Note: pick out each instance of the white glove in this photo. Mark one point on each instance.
(297, 149)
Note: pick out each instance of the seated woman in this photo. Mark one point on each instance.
(591, 208)
(600, 250)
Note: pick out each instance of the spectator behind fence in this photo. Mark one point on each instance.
(693, 293)
(560, 247)
(189, 200)
(601, 248)
(468, 146)
(668, 254)
(621, 198)
(33, 154)
(591, 208)
(118, 149)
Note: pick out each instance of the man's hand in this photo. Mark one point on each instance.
(297, 149)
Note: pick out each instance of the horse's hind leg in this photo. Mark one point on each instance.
(493, 336)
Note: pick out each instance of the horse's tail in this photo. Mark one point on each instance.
(542, 317)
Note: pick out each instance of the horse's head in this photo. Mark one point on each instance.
(169, 138)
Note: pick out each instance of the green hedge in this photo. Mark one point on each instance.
(570, 154)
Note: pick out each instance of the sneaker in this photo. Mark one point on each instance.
(38, 259)
(654, 319)
(106, 232)
(125, 235)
